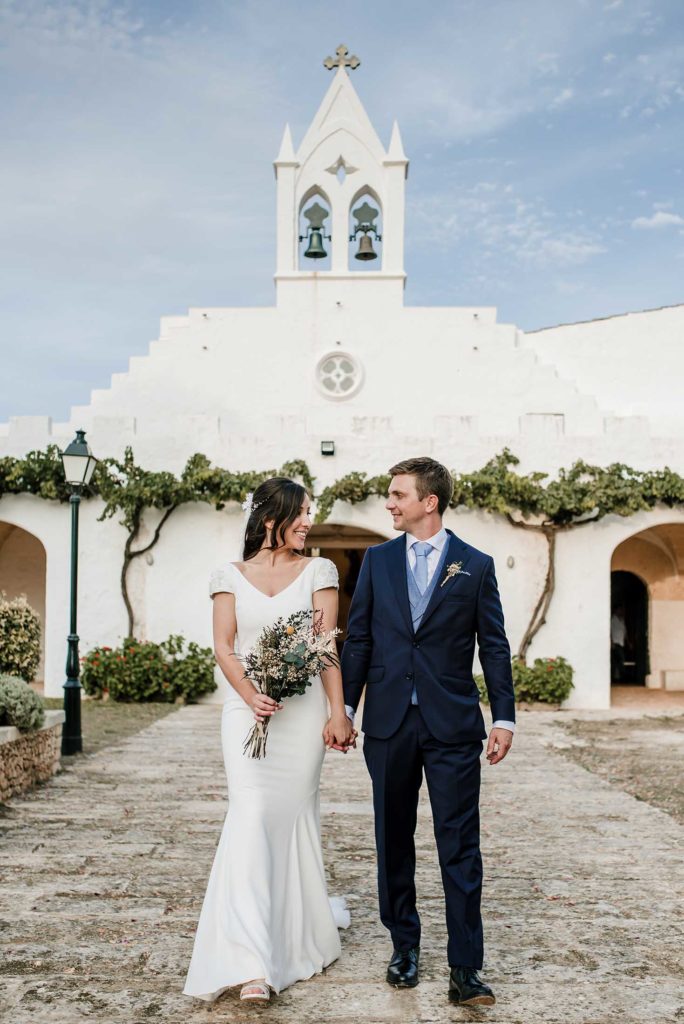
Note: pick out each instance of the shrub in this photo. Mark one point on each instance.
(19, 704)
(19, 638)
(548, 680)
(145, 671)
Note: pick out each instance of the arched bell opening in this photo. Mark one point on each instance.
(365, 231)
(23, 564)
(315, 231)
(345, 546)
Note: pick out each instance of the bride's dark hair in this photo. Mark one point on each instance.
(279, 499)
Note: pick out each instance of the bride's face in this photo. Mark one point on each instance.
(294, 535)
(297, 532)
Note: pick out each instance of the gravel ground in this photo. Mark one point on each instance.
(104, 871)
(642, 756)
(104, 722)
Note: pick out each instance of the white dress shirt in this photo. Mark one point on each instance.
(618, 630)
(438, 542)
(433, 558)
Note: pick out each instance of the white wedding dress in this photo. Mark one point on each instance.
(266, 912)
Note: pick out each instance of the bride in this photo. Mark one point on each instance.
(266, 921)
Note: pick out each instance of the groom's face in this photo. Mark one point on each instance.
(403, 503)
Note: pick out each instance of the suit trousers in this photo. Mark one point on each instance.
(452, 772)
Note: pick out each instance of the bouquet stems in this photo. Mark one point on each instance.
(255, 744)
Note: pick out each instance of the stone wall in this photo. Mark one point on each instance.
(29, 757)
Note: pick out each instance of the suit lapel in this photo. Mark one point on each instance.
(397, 573)
(455, 553)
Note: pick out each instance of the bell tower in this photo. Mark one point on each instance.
(340, 195)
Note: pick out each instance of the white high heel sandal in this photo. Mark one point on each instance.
(255, 990)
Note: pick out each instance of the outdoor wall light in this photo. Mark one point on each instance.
(327, 447)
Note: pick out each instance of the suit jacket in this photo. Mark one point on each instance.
(383, 653)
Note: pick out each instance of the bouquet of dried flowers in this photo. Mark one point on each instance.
(282, 662)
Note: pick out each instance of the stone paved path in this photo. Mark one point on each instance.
(104, 871)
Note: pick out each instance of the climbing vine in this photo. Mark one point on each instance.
(579, 495)
(129, 491)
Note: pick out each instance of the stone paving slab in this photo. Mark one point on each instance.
(103, 873)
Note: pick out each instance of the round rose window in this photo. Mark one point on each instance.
(338, 375)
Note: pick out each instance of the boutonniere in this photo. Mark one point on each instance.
(454, 570)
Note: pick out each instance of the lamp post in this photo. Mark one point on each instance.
(79, 464)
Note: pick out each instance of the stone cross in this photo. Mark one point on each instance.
(343, 60)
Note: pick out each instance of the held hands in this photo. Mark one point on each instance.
(498, 745)
(339, 733)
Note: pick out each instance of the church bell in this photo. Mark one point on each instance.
(315, 250)
(366, 250)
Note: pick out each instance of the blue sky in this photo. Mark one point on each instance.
(545, 141)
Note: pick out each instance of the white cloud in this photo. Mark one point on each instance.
(563, 97)
(659, 219)
(547, 64)
(504, 223)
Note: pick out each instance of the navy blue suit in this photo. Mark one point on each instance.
(441, 735)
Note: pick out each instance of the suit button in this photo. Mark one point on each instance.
(416, 644)
(409, 675)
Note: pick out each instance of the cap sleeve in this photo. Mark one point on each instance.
(220, 582)
(325, 574)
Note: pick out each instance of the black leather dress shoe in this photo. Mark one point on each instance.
(402, 970)
(467, 989)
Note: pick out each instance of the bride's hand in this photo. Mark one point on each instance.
(339, 733)
(263, 706)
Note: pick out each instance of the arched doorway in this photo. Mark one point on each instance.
(22, 571)
(629, 661)
(647, 575)
(345, 546)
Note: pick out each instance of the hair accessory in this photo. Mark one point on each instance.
(249, 505)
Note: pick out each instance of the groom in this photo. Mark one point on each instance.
(420, 602)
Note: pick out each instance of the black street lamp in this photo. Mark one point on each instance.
(79, 464)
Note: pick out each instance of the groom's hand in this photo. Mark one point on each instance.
(498, 745)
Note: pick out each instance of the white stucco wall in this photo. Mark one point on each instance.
(630, 362)
(666, 633)
(171, 594)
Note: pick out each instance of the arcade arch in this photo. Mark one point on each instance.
(23, 565)
(345, 546)
(647, 580)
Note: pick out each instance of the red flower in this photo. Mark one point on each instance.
(549, 668)
(106, 648)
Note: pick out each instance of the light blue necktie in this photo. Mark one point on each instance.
(422, 550)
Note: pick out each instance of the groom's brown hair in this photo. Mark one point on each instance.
(431, 478)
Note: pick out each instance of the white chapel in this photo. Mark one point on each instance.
(330, 373)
